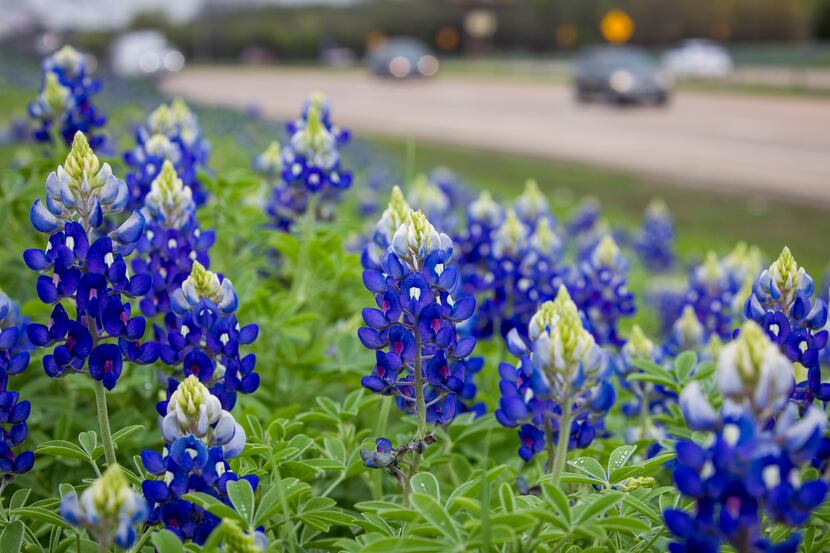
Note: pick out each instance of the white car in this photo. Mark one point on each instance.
(144, 53)
(698, 58)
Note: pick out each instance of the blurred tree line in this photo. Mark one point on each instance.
(299, 32)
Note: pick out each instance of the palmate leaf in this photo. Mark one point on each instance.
(619, 457)
(425, 482)
(213, 506)
(434, 513)
(11, 540)
(242, 496)
(590, 467)
(166, 541)
(598, 507)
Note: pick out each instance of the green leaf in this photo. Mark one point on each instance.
(336, 449)
(242, 496)
(557, 499)
(42, 515)
(619, 457)
(19, 499)
(598, 507)
(425, 482)
(506, 497)
(167, 542)
(126, 432)
(574, 478)
(62, 448)
(214, 506)
(11, 540)
(88, 441)
(589, 466)
(623, 524)
(664, 381)
(434, 513)
(684, 364)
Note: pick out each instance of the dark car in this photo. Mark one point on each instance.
(403, 57)
(620, 74)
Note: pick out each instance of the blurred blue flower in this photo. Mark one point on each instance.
(109, 509)
(64, 103)
(310, 167)
(171, 133)
(600, 291)
(656, 241)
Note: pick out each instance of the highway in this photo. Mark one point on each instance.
(772, 146)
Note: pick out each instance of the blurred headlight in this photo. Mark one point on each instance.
(428, 65)
(149, 62)
(621, 81)
(399, 67)
(173, 60)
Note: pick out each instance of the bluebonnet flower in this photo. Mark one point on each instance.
(171, 133)
(426, 196)
(200, 437)
(584, 219)
(600, 290)
(531, 206)
(782, 303)
(318, 101)
(751, 467)
(64, 102)
(655, 243)
(81, 265)
(201, 337)
(559, 392)
(419, 355)
(687, 334)
(395, 214)
(14, 359)
(311, 168)
(269, 162)
(523, 270)
(109, 509)
(172, 240)
(475, 242)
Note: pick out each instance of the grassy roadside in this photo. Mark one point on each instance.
(705, 219)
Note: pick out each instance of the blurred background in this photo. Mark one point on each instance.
(721, 107)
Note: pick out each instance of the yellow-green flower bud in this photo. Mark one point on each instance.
(510, 238)
(395, 214)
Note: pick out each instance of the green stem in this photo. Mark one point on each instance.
(421, 411)
(380, 431)
(550, 446)
(562, 443)
(104, 422)
(644, 413)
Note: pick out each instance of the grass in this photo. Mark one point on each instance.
(705, 219)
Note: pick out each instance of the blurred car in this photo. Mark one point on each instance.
(144, 53)
(620, 74)
(403, 57)
(698, 58)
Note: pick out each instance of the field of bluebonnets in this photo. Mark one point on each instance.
(209, 342)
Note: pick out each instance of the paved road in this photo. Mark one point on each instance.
(767, 145)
